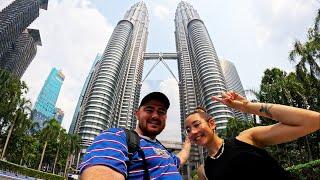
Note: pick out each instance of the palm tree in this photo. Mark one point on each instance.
(19, 115)
(50, 131)
(11, 90)
(62, 139)
(73, 146)
(308, 52)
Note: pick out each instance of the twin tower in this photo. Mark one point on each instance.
(111, 94)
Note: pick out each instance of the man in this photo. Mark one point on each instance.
(107, 156)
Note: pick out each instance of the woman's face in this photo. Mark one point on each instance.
(199, 130)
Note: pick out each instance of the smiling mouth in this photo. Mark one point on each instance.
(154, 123)
(197, 137)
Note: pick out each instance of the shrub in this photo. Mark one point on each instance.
(307, 171)
(8, 166)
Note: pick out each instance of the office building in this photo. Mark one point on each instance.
(45, 106)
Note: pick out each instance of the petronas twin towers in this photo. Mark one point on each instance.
(113, 89)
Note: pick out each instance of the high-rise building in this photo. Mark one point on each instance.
(58, 115)
(83, 96)
(200, 72)
(18, 57)
(233, 84)
(45, 106)
(17, 43)
(199, 67)
(115, 89)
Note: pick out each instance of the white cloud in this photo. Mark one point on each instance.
(172, 132)
(160, 11)
(72, 34)
(5, 3)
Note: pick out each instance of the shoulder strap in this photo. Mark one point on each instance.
(133, 141)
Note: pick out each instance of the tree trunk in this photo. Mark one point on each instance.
(42, 155)
(55, 160)
(308, 148)
(78, 159)
(7, 141)
(21, 157)
(65, 169)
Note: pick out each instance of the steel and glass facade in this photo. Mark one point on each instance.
(199, 67)
(233, 83)
(44, 108)
(114, 93)
(84, 96)
(200, 72)
(17, 43)
(20, 54)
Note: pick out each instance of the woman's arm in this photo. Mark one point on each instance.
(201, 174)
(184, 153)
(293, 122)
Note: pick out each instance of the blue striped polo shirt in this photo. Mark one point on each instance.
(110, 149)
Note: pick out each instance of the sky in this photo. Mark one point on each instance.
(254, 35)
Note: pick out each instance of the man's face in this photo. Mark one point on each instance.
(152, 118)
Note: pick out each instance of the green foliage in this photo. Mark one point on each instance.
(310, 170)
(234, 127)
(25, 141)
(308, 53)
(7, 166)
(281, 88)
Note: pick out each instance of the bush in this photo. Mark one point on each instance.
(8, 166)
(307, 171)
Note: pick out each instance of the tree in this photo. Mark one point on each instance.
(235, 126)
(12, 90)
(61, 141)
(21, 113)
(50, 131)
(73, 147)
(308, 53)
(280, 88)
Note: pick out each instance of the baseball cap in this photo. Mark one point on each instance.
(156, 96)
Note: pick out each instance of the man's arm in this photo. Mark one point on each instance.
(293, 122)
(183, 155)
(99, 172)
(105, 158)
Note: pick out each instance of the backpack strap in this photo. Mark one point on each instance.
(133, 141)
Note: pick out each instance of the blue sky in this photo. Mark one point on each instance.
(254, 35)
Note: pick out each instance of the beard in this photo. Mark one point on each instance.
(150, 132)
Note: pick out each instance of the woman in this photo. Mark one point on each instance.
(244, 157)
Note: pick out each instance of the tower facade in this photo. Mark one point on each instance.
(74, 127)
(233, 83)
(58, 115)
(115, 89)
(200, 71)
(45, 106)
(17, 43)
(18, 56)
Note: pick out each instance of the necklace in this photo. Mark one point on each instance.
(221, 152)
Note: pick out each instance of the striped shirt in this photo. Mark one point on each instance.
(110, 149)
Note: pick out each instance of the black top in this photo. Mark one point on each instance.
(240, 160)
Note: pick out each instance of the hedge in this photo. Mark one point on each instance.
(307, 171)
(8, 166)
